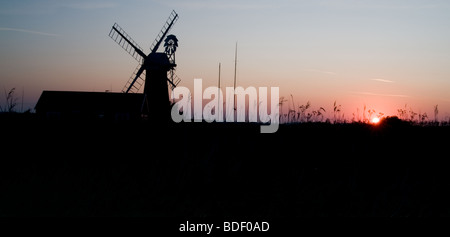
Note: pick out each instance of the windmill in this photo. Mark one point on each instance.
(155, 70)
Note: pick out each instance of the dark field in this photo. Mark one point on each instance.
(204, 173)
(73, 169)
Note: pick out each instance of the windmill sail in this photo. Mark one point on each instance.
(126, 42)
(173, 80)
(136, 80)
(169, 23)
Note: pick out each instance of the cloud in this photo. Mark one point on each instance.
(382, 80)
(377, 94)
(28, 31)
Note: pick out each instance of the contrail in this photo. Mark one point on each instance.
(382, 80)
(28, 31)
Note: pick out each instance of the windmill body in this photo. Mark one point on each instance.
(156, 100)
(155, 70)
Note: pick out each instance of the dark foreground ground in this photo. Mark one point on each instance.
(106, 169)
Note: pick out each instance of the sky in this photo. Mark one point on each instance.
(382, 54)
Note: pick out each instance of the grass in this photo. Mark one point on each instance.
(305, 113)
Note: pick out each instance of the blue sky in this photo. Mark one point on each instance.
(383, 54)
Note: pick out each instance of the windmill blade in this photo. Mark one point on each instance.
(169, 23)
(136, 80)
(126, 42)
(173, 79)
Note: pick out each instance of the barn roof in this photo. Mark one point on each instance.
(89, 101)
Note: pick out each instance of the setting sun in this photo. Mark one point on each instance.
(375, 120)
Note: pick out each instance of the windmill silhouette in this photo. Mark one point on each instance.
(155, 70)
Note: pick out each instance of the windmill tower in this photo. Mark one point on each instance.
(155, 70)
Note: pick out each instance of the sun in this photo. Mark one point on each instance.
(375, 120)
